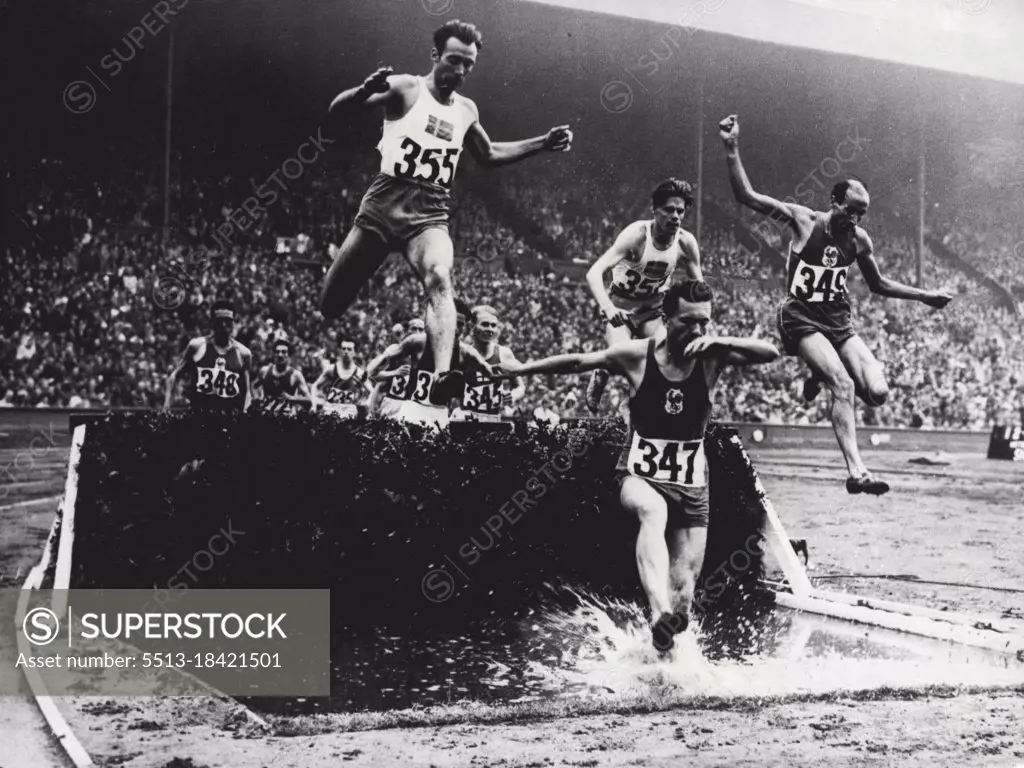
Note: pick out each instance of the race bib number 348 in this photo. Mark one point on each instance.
(676, 462)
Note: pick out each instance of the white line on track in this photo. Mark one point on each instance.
(28, 503)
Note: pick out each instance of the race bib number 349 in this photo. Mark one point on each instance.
(677, 462)
(813, 283)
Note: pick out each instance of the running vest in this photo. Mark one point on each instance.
(422, 376)
(817, 275)
(667, 421)
(483, 393)
(643, 277)
(425, 144)
(217, 377)
(339, 389)
(275, 386)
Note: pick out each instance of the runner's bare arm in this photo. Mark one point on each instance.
(616, 359)
(257, 382)
(628, 239)
(299, 382)
(475, 358)
(790, 214)
(884, 286)
(381, 89)
(246, 355)
(518, 382)
(490, 154)
(411, 345)
(172, 377)
(691, 266)
(720, 351)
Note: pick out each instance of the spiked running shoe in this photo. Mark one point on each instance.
(812, 387)
(447, 386)
(664, 630)
(866, 484)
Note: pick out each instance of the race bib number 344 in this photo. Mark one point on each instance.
(677, 462)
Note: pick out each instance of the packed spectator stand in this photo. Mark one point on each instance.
(98, 305)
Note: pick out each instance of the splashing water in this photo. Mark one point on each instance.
(607, 651)
(601, 649)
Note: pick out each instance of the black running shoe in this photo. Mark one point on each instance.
(812, 387)
(866, 484)
(447, 386)
(664, 630)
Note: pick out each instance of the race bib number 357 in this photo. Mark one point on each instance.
(677, 462)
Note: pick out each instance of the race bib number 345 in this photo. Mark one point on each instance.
(677, 462)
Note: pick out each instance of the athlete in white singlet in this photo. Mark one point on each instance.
(343, 385)
(642, 260)
(426, 125)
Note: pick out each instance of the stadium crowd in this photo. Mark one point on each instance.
(98, 308)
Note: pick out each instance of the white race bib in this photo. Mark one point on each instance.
(676, 462)
(342, 410)
(422, 385)
(219, 382)
(816, 284)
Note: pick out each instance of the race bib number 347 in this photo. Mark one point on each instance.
(677, 462)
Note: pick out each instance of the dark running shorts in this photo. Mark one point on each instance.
(687, 507)
(798, 319)
(397, 210)
(640, 310)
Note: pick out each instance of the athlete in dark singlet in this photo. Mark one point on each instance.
(408, 387)
(406, 208)
(280, 387)
(487, 397)
(814, 321)
(216, 368)
(343, 384)
(662, 469)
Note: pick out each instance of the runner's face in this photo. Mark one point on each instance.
(668, 217)
(281, 354)
(487, 328)
(348, 351)
(689, 323)
(848, 214)
(453, 65)
(223, 326)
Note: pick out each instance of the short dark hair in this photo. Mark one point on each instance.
(461, 30)
(220, 304)
(285, 342)
(692, 291)
(840, 187)
(672, 188)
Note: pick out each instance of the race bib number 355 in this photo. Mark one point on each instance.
(677, 462)
(817, 284)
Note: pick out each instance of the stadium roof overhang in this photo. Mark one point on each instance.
(981, 38)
